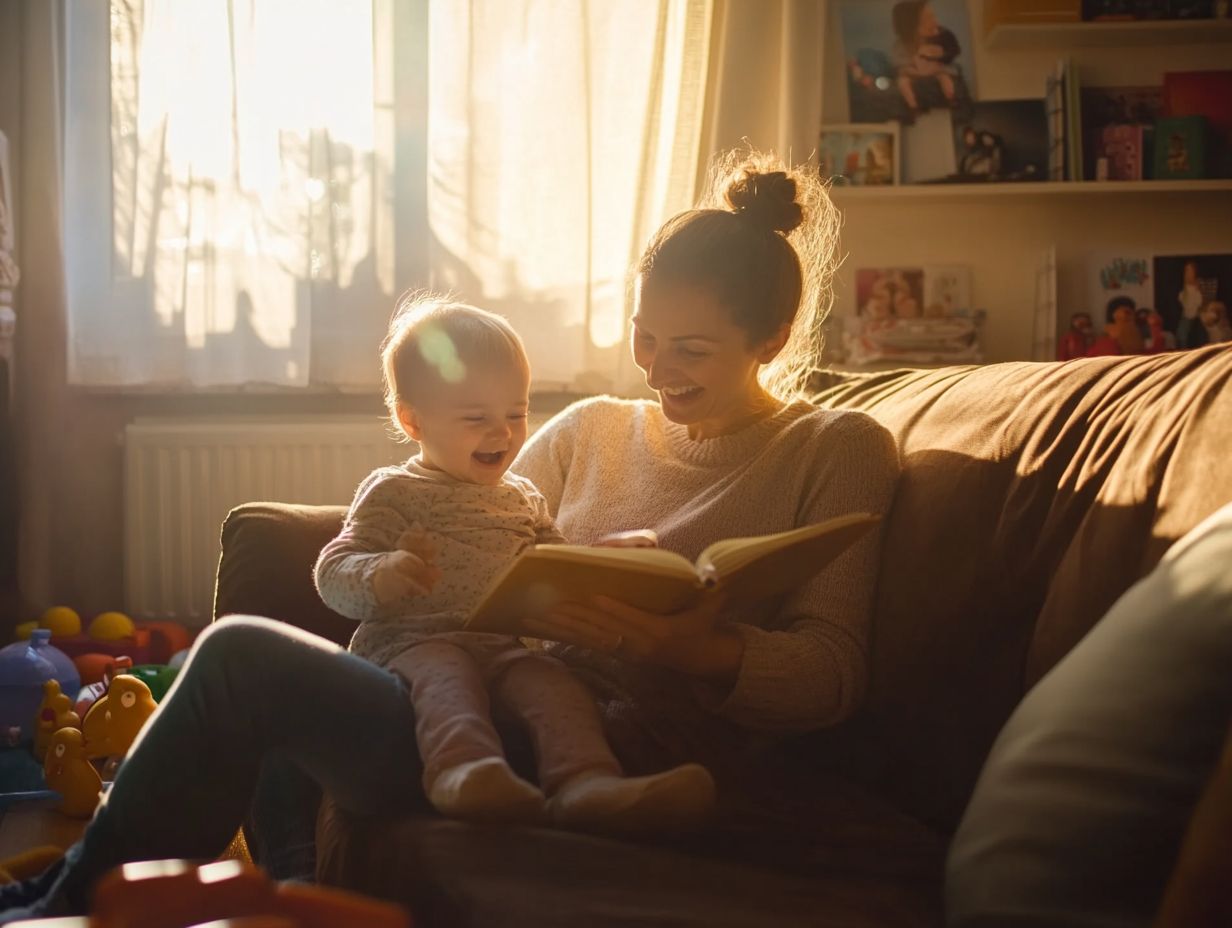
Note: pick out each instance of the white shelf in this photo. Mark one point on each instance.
(1056, 36)
(1028, 190)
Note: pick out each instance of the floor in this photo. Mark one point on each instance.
(35, 823)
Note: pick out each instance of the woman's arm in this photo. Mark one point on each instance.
(806, 667)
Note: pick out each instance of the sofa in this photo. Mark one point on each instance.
(1033, 495)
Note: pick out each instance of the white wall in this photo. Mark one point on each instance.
(1000, 238)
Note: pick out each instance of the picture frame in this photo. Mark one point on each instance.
(860, 154)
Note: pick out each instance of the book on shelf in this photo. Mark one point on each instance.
(1118, 152)
(1207, 94)
(1063, 107)
(739, 569)
(1073, 122)
(1118, 125)
(1054, 107)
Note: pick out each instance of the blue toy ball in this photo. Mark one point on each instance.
(24, 667)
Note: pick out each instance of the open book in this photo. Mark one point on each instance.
(742, 569)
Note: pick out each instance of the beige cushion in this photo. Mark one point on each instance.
(1082, 806)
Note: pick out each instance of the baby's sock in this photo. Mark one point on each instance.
(486, 790)
(676, 799)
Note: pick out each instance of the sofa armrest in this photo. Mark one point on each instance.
(268, 551)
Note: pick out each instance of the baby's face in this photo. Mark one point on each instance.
(473, 429)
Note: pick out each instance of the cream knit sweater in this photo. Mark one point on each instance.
(607, 465)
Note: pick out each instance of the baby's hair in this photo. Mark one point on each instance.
(764, 242)
(432, 340)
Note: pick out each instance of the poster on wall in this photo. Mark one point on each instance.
(906, 57)
(1113, 274)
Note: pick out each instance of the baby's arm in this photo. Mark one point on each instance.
(382, 554)
(546, 532)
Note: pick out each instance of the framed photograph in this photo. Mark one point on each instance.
(906, 57)
(859, 154)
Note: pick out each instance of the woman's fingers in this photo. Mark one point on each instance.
(578, 625)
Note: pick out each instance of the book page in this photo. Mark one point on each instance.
(648, 578)
(750, 568)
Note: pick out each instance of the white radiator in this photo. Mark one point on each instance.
(182, 476)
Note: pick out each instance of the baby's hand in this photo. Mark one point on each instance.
(637, 538)
(403, 574)
(418, 542)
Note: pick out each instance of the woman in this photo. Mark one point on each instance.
(727, 330)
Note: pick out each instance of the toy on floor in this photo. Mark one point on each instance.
(158, 677)
(29, 863)
(69, 772)
(96, 687)
(112, 723)
(56, 712)
(108, 636)
(175, 894)
(24, 667)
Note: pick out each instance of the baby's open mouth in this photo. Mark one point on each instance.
(489, 458)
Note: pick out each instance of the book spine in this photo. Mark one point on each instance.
(1054, 99)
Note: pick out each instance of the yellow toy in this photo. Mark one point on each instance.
(23, 631)
(112, 723)
(111, 626)
(56, 712)
(29, 863)
(62, 621)
(70, 774)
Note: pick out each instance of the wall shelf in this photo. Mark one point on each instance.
(1056, 36)
(1026, 192)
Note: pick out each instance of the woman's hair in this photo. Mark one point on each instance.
(906, 18)
(432, 340)
(764, 242)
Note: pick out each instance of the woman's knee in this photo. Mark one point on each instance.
(237, 640)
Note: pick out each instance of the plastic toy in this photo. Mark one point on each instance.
(175, 894)
(61, 620)
(158, 677)
(55, 713)
(22, 631)
(69, 772)
(24, 667)
(111, 626)
(112, 723)
(95, 687)
(117, 635)
(29, 863)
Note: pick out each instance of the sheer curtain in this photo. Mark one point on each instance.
(227, 185)
(560, 134)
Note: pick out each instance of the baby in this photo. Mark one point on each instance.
(420, 544)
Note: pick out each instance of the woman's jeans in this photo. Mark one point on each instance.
(253, 690)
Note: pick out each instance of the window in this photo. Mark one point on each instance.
(250, 183)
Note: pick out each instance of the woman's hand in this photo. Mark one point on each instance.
(690, 641)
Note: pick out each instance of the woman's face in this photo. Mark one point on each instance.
(928, 22)
(696, 358)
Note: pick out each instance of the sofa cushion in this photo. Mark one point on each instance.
(1032, 496)
(1080, 811)
(834, 856)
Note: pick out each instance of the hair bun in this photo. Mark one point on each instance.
(768, 199)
